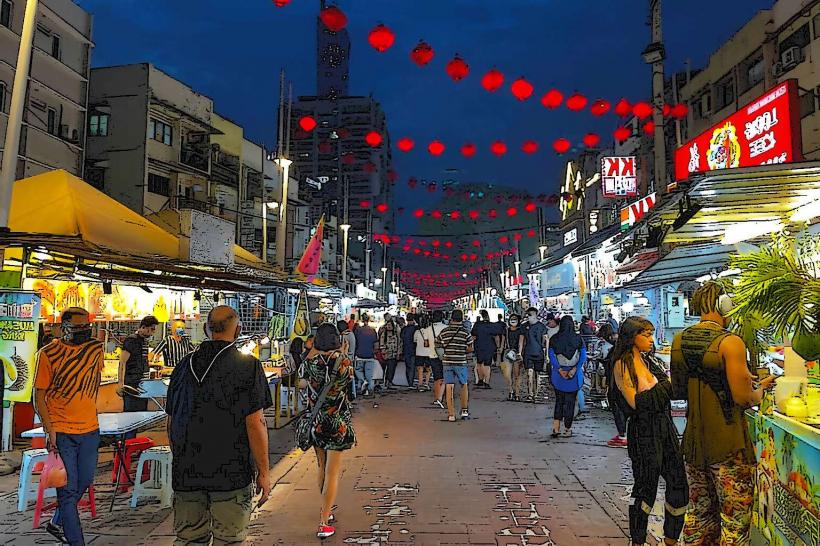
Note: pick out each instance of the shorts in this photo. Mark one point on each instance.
(455, 374)
(438, 369)
(534, 363)
(485, 358)
(422, 361)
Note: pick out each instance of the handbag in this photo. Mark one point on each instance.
(307, 423)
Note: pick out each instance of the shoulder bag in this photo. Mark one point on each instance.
(441, 351)
(307, 423)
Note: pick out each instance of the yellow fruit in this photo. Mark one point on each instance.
(11, 370)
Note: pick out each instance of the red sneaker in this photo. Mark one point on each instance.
(617, 441)
(326, 531)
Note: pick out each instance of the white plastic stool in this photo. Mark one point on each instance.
(26, 489)
(158, 484)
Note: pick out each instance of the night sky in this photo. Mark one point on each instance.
(233, 51)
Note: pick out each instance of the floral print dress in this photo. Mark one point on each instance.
(333, 430)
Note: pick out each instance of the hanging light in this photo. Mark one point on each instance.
(576, 102)
(622, 133)
(561, 145)
(325, 148)
(599, 107)
(492, 80)
(333, 18)
(382, 208)
(307, 123)
(365, 204)
(667, 109)
(349, 158)
(476, 243)
(436, 214)
(517, 236)
(530, 207)
(392, 176)
(373, 139)
(281, 3)
(473, 214)
(418, 213)
(457, 68)
(623, 108)
(649, 128)
(503, 239)
(680, 110)
(422, 54)
(591, 140)
(552, 99)
(512, 211)
(522, 89)
(405, 144)
(369, 167)
(498, 148)
(531, 233)
(642, 110)
(529, 147)
(436, 148)
(492, 213)
(381, 38)
(468, 150)
(455, 215)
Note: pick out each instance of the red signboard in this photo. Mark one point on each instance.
(764, 132)
(618, 177)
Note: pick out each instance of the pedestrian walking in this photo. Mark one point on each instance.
(366, 341)
(174, 346)
(134, 367)
(455, 344)
(608, 338)
(644, 393)
(435, 362)
(218, 436)
(512, 363)
(332, 432)
(486, 339)
(66, 384)
(391, 349)
(567, 354)
(424, 342)
(587, 328)
(709, 369)
(534, 354)
(612, 322)
(349, 350)
(408, 344)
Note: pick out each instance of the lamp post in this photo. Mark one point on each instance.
(11, 148)
(384, 283)
(272, 205)
(345, 229)
(285, 164)
(543, 250)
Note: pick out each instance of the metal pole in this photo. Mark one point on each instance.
(11, 148)
(658, 97)
(264, 212)
(367, 250)
(284, 162)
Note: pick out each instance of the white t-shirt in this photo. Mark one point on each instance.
(430, 333)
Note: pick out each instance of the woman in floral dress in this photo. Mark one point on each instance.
(333, 431)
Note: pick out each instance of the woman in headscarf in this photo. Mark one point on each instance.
(567, 353)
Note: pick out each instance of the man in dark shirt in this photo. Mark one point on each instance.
(366, 341)
(218, 436)
(486, 336)
(407, 334)
(134, 364)
(534, 355)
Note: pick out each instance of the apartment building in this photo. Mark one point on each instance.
(54, 119)
(775, 45)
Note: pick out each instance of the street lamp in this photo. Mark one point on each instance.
(543, 250)
(384, 282)
(345, 228)
(285, 164)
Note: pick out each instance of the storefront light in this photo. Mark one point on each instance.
(628, 307)
(806, 212)
(744, 231)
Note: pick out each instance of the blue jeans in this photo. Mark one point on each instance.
(410, 368)
(364, 371)
(79, 455)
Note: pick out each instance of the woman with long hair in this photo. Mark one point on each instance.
(608, 338)
(333, 431)
(511, 360)
(643, 394)
(567, 353)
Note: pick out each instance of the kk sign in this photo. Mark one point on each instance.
(618, 177)
(764, 132)
(636, 211)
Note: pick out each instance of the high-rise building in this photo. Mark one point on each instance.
(332, 62)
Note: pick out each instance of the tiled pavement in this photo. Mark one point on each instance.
(415, 478)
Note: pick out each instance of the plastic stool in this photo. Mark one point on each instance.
(33, 459)
(158, 484)
(133, 446)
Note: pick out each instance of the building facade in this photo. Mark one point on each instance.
(54, 118)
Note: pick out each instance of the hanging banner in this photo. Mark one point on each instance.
(19, 314)
(301, 321)
(309, 264)
(634, 213)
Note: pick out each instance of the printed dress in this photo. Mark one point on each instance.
(333, 430)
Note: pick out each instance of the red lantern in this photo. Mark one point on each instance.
(492, 213)
(561, 145)
(448, 244)
(381, 38)
(365, 204)
(512, 211)
(530, 207)
(522, 89)
(369, 167)
(418, 213)
(455, 215)
(468, 150)
(623, 108)
(325, 148)
(473, 214)
(422, 54)
(667, 109)
(392, 176)
(281, 3)
(622, 133)
(498, 148)
(307, 123)
(426, 253)
(411, 183)
(531, 233)
(300, 134)
(476, 243)
(680, 110)
(436, 214)
(464, 257)
(517, 236)
(492, 80)
(457, 69)
(591, 140)
(406, 144)
(382, 208)
(599, 107)
(473, 257)
(333, 18)
(649, 128)
(577, 102)
(529, 147)
(642, 110)
(422, 242)
(349, 159)
(436, 148)
(552, 99)
(395, 239)
(503, 239)
(373, 139)
(431, 187)
(406, 248)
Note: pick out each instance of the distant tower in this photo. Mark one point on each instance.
(332, 61)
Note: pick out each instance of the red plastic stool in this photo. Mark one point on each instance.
(133, 446)
(39, 507)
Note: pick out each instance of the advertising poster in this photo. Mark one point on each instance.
(19, 314)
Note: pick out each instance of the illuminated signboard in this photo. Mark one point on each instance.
(632, 214)
(571, 237)
(619, 177)
(765, 132)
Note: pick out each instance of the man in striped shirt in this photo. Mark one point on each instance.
(175, 346)
(456, 343)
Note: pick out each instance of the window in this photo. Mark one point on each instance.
(807, 105)
(816, 24)
(755, 72)
(5, 13)
(55, 46)
(98, 125)
(725, 89)
(161, 185)
(52, 121)
(161, 132)
(3, 92)
(799, 38)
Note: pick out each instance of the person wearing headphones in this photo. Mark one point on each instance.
(710, 371)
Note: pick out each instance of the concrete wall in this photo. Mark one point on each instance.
(231, 140)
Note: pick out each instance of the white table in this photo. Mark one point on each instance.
(117, 425)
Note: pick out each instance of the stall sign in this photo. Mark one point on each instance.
(571, 237)
(764, 132)
(634, 213)
(675, 310)
(19, 327)
(619, 177)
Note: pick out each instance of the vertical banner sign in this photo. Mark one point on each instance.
(619, 177)
(19, 315)
(301, 321)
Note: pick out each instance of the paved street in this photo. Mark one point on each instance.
(414, 478)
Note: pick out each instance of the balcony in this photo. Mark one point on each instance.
(195, 156)
(182, 202)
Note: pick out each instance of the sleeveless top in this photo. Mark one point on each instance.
(716, 428)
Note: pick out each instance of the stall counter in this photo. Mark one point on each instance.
(787, 504)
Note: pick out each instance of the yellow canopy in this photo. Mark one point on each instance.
(58, 203)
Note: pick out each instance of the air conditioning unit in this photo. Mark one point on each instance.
(791, 57)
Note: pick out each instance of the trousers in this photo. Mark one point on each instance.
(564, 406)
(410, 368)
(79, 455)
(364, 372)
